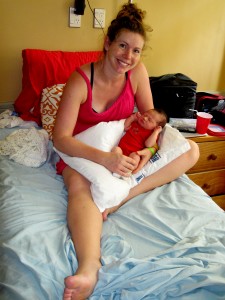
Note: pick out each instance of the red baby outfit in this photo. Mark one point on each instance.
(134, 139)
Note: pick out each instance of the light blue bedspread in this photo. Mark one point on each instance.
(165, 244)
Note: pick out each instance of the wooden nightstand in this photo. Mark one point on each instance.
(209, 171)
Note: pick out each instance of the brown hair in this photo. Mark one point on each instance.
(163, 115)
(130, 17)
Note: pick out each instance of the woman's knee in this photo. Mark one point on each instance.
(74, 181)
(193, 153)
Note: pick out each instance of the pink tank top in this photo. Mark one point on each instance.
(121, 109)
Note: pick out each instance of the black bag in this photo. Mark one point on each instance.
(175, 94)
(213, 104)
(219, 115)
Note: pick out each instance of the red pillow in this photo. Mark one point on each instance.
(41, 69)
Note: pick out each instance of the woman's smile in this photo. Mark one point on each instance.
(123, 63)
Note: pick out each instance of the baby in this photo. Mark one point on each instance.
(142, 131)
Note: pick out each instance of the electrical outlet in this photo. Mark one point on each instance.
(74, 20)
(99, 18)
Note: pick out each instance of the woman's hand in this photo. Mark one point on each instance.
(145, 155)
(118, 163)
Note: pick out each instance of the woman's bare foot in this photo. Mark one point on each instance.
(81, 285)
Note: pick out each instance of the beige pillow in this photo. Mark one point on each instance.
(51, 97)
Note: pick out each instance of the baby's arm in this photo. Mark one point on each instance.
(130, 120)
(152, 139)
(145, 154)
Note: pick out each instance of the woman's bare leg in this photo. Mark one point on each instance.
(164, 175)
(85, 225)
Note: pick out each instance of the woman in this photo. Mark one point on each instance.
(106, 92)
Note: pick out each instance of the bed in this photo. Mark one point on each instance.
(168, 243)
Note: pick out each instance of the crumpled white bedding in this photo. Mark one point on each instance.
(108, 190)
(8, 120)
(26, 146)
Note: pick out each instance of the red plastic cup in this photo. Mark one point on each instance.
(203, 121)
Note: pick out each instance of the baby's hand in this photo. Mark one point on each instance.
(130, 120)
(145, 155)
(138, 114)
(158, 129)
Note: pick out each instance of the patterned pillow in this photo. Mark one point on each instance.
(51, 97)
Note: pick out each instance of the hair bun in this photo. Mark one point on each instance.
(130, 18)
(132, 12)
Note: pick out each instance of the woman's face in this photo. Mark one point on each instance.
(125, 51)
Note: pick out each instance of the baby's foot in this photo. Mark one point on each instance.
(109, 211)
(81, 285)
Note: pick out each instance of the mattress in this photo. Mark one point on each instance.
(168, 243)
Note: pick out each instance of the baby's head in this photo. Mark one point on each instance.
(152, 118)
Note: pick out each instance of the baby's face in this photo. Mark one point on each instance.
(149, 119)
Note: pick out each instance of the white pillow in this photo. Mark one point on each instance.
(108, 190)
(104, 135)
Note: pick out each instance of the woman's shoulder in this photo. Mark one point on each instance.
(86, 68)
(81, 74)
(138, 75)
(139, 69)
(84, 71)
